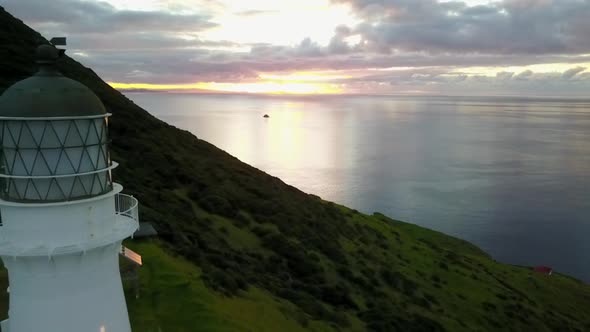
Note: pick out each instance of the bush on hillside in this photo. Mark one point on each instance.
(217, 205)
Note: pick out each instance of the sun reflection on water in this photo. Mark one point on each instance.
(285, 136)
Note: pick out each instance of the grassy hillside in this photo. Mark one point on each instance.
(242, 251)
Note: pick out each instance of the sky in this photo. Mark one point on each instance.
(475, 47)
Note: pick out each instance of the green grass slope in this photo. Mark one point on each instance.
(242, 251)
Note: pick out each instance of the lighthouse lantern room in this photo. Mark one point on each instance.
(62, 218)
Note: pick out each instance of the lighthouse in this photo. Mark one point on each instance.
(62, 218)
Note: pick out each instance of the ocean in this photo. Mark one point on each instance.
(511, 175)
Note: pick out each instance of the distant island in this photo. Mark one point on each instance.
(239, 250)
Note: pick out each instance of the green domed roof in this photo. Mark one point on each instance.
(49, 94)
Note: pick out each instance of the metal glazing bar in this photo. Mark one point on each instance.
(113, 166)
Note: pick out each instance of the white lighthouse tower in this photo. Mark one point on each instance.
(62, 216)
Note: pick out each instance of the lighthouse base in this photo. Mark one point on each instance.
(75, 292)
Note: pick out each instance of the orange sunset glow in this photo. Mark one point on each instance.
(255, 87)
(292, 83)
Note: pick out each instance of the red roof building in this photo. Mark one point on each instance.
(544, 269)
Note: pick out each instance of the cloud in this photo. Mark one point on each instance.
(504, 76)
(255, 12)
(569, 74)
(524, 76)
(338, 44)
(508, 27)
(119, 44)
(397, 45)
(308, 48)
(76, 16)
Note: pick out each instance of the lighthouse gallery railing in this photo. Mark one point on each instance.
(127, 206)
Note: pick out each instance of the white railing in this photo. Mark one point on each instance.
(127, 206)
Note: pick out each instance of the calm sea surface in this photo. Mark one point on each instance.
(510, 175)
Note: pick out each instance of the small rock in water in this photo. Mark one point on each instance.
(266, 116)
